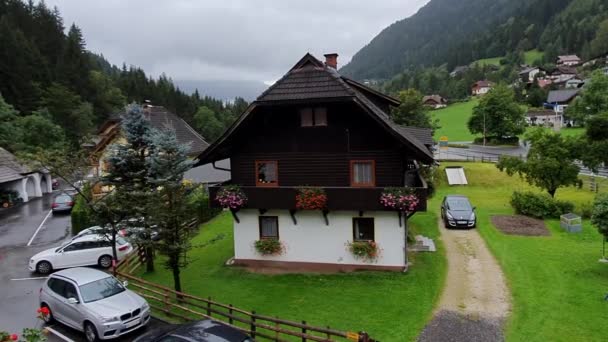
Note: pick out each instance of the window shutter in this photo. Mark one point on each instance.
(306, 117)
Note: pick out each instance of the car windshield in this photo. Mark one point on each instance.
(459, 204)
(100, 289)
(63, 199)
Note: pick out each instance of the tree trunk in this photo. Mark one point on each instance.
(177, 283)
(149, 259)
(114, 252)
(552, 192)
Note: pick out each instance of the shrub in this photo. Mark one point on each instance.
(497, 141)
(82, 216)
(311, 199)
(585, 210)
(539, 205)
(198, 200)
(269, 246)
(364, 250)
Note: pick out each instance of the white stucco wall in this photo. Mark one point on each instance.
(313, 241)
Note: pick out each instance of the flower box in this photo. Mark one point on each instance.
(311, 199)
(364, 250)
(400, 199)
(231, 197)
(269, 247)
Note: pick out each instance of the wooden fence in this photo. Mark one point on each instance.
(185, 307)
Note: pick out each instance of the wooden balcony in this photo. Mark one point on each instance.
(338, 198)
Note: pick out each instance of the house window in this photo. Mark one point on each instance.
(363, 229)
(269, 227)
(266, 173)
(363, 173)
(313, 117)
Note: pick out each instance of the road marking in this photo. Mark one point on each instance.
(33, 278)
(58, 334)
(40, 226)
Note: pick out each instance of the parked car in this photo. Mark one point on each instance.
(97, 230)
(62, 203)
(457, 211)
(83, 251)
(93, 302)
(200, 331)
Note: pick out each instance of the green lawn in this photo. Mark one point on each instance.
(556, 282)
(529, 58)
(567, 132)
(453, 121)
(390, 306)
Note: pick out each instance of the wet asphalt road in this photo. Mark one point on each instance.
(19, 287)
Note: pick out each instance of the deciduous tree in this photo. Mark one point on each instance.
(412, 112)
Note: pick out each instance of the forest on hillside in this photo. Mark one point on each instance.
(457, 32)
(52, 85)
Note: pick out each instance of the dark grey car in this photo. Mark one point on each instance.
(457, 212)
(62, 203)
(200, 331)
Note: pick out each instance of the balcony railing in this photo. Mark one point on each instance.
(338, 198)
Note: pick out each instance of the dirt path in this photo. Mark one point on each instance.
(475, 299)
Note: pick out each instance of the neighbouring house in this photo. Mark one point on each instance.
(528, 74)
(459, 70)
(562, 74)
(574, 83)
(160, 118)
(481, 87)
(544, 82)
(313, 155)
(568, 60)
(21, 179)
(435, 101)
(543, 117)
(561, 99)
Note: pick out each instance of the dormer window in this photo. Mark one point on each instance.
(313, 117)
(266, 173)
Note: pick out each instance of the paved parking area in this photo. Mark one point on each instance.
(25, 231)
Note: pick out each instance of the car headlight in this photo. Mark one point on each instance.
(146, 306)
(110, 319)
(472, 216)
(449, 216)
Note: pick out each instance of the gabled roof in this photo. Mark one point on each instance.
(424, 135)
(563, 70)
(162, 119)
(10, 168)
(435, 98)
(311, 80)
(483, 84)
(568, 58)
(562, 96)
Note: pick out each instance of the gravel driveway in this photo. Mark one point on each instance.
(475, 299)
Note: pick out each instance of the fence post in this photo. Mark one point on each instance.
(230, 312)
(166, 302)
(304, 331)
(209, 306)
(252, 324)
(363, 337)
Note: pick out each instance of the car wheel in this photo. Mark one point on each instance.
(48, 319)
(105, 261)
(90, 332)
(44, 267)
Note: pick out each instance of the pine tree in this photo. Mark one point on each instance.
(168, 163)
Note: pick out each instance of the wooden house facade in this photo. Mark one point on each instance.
(315, 129)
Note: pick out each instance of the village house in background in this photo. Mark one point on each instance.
(529, 74)
(312, 156)
(481, 88)
(435, 101)
(20, 180)
(568, 60)
(160, 118)
(544, 117)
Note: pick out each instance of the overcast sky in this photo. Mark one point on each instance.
(228, 39)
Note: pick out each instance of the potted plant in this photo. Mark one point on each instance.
(311, 199)
(231, 197)
(364, 250)
(401, 199)
(269, 247)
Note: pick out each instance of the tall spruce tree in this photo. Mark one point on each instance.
(168, 163)
(128, 174)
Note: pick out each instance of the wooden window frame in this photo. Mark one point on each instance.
(313, 117)
(352, 174)
(355, 237)
(257, 178)
(260, 228)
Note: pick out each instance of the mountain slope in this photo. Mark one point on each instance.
(456, 32)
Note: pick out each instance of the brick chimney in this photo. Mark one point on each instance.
(331, 60)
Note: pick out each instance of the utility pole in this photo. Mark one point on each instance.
(484, 128)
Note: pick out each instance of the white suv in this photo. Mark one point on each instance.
(94, 302)
(82, 251)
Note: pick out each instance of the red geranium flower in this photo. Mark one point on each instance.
(14, 337)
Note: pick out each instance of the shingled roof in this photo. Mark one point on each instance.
(562, 96)
(162, 119)
(310, 79)
(10, 168)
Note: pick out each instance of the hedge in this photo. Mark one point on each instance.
(82, 216)
(200, 203)
(539, 205)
